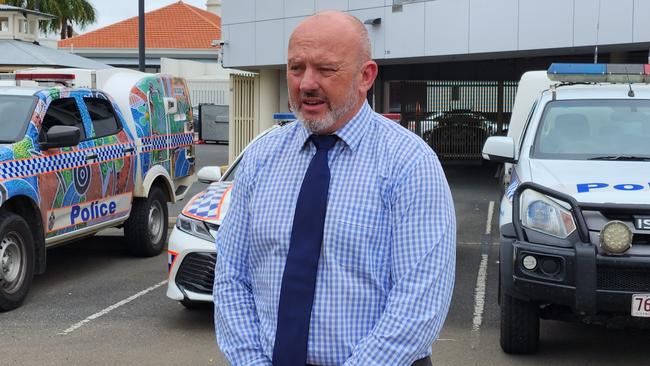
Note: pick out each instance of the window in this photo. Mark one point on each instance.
(103, 118)
(33, 29)
(4, 24)
(63, 112)
(15, 112)
(592, 129)
(22, 26)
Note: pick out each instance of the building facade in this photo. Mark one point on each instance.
(467, 51)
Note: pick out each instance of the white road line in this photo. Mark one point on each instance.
(479, 294)
(111, 308)
(481, 279)
(488, 223)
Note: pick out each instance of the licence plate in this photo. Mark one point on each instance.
(641, 305)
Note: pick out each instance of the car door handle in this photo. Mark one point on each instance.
(91, 157)
(128, 149)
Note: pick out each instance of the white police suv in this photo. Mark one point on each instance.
(575, 216)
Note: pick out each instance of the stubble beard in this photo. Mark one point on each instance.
(325, 123)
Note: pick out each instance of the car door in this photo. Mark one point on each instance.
(69, 188)
(114, 151)
(159, 123)
(181, 130)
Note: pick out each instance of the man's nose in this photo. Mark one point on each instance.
(309, 80)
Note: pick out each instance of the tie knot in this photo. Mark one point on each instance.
(324, 142)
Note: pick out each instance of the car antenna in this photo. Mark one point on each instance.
(597, 34)
(630, 93)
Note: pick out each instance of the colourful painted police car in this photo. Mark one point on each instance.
(575, 217)
(191, 251)
(74, 161)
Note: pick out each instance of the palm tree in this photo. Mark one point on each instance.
(67, 13)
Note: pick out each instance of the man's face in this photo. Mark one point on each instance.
(323, 74)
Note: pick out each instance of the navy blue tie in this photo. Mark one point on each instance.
(299, 278)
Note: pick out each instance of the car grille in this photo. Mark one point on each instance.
(196, 272)
(623, 279)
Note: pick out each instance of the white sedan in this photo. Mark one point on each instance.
(191, 250)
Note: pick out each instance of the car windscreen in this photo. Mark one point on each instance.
(594, 130)
(15, 112)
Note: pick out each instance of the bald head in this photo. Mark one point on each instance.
(329, 70)
(338, 26)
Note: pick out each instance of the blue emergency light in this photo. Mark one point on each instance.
(599, 73)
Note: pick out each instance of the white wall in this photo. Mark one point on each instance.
(257, 31)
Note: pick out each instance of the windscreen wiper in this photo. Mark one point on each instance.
(622, 158)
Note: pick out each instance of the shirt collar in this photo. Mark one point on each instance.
(351, 133)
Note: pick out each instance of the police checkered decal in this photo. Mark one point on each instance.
(112, 152)
(514, 183)
(66, 160)
(208, 203)
(40, 165)
(159, 142)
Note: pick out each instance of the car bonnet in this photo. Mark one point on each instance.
(211, 204)
(623, 182)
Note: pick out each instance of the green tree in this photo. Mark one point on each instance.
(67, 13)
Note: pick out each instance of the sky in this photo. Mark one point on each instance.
(113, 11)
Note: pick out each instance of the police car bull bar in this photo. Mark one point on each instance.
(586, 253)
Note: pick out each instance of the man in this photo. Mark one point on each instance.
(339, 245)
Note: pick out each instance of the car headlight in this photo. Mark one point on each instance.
(541, 213)
(194, 227)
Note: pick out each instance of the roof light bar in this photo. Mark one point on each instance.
(44, 77)
(599, 73)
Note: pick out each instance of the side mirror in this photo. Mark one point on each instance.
(500, 149)
(209, 174)
(61, 136)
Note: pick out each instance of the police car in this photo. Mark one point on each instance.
(574, 219)
(191, 251)
(76, 160)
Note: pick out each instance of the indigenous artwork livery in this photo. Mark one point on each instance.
(75, 160)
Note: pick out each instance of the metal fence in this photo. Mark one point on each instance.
(456, 117)
(209, 91)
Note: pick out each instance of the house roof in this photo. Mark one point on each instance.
(178, 26)
(21, 53)
(9, 8)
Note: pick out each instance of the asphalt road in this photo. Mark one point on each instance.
(98, 305)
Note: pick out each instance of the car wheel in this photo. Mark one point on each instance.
(197, 305)
(146, 228)
(16, 260)
(519, 325)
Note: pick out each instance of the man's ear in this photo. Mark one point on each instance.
(368, 74)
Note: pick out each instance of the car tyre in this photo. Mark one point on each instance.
(16, 260)
(146, 228)
(519, 325)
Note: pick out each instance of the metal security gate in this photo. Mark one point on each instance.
(455, 117)
(243, 112)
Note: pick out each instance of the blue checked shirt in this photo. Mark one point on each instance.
(386, 269)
